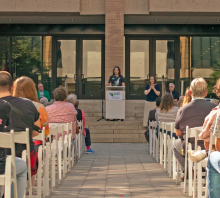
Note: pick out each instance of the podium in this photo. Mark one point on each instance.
(115, 102)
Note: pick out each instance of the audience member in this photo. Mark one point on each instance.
(187, 97)
(81, 117)
(174, 93)
(44, 101)
(152, 113)
(211, 125)
(24, 115)
(25, 88)
(61, 111)
(41, 93)
(166, 111)
(180, 101)
(193, 115)
(21, 166)
(152, 117)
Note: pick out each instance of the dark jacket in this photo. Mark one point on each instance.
(175, 95)
(151, 116)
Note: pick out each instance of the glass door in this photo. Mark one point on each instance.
(79, 66)
(66, 64)
(91, 71)
(165, 62)
(138, 66)
(150, 56)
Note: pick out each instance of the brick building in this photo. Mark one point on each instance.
(77, 43)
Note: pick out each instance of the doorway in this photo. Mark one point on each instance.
(150, 56)
(79, 65)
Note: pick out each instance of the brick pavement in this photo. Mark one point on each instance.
(118, 170)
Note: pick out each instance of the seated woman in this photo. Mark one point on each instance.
(72, 98)
(27, 89)
(166, 112)
(61, 111)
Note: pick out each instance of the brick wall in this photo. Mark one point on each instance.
(114, 34)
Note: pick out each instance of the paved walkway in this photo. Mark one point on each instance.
(117, 170)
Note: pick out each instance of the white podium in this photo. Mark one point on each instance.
(115, 102)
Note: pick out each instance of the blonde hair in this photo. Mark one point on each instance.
(198, 87)
(187, 97)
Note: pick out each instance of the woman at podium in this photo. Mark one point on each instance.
(116, 79)
(152, 91)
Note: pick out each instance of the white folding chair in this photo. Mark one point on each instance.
(71, 146)
(161, 135)
(80, 123)
(7, 141)
(203, 191)
(23, 138)
(170, 131)
(54, 161)
(190, 133)
(151, 124)
(43, 167)
(154, 138)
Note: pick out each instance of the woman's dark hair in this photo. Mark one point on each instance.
(158, 101)
(118, 70)
(166, 102)
(60, 94)
(155, 81)
(76, 105)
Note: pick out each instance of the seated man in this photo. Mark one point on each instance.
(174, 93)
(193, 115)
(41, 93)
(18, 122)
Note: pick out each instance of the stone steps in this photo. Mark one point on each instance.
(130, 130)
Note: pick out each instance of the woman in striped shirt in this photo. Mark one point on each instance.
(166, 112)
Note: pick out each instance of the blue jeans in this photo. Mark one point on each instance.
(21, 173)
(213, 175)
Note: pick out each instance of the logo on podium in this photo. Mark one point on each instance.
(115, 95)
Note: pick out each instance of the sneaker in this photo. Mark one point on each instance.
(90, 151)
(196, 156)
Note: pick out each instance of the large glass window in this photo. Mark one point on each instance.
(4, 53)
(165, 61)
(26, 57)
(91, 67)
(139, 66)
(66, 64)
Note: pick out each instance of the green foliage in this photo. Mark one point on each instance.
(213, 78)
(26, 59)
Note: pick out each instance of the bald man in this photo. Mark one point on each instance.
(41, 93)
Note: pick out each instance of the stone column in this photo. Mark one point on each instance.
(114, 36)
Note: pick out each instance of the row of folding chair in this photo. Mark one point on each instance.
(55, 158)
(194, 179)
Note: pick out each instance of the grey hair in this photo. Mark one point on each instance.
(172, 84)
(44, 101)
(72, 98)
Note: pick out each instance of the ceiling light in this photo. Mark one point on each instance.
(156, 20)
(217, 20)
(10, 19)
(212, 46)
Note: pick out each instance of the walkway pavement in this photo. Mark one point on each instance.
(117, 170)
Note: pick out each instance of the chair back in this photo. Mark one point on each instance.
(7, 141)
